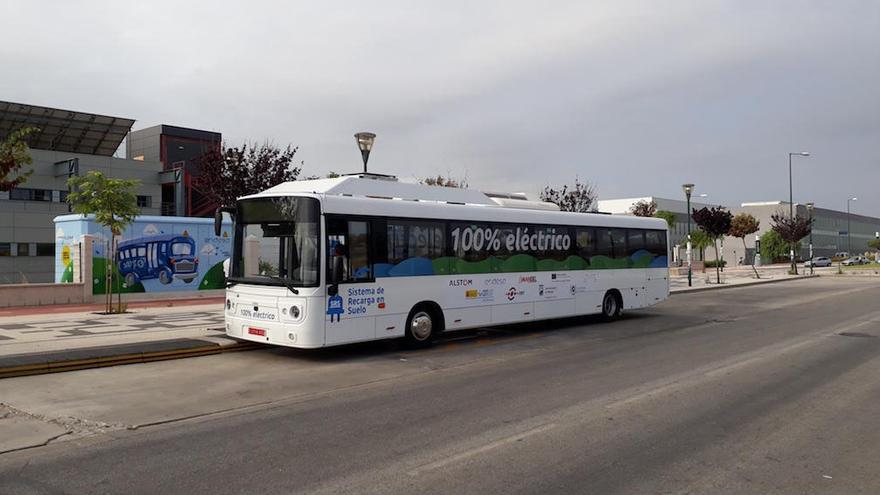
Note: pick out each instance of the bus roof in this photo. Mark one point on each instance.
(152, 238)
(381, 197)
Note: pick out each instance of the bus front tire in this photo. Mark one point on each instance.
(165, 277)
(421, 327)
(611, 305)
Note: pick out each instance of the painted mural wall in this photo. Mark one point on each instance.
(155, 254)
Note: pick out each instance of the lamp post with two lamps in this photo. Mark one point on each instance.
(688, 190)
(791, 204)
(848, 235)
(810, 207)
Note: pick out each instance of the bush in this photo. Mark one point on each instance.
(714, 263)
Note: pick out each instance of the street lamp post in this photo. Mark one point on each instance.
(848, 234)
(688, 189)
(810, 210)
(365, 144)
(791, 204)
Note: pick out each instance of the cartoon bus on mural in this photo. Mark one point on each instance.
(165, 257)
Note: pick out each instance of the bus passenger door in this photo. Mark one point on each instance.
(350, 315)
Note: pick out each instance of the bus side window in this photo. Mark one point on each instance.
(586, 243)
(656, 242)
(351, 240)
(635, 241)
(360, 268)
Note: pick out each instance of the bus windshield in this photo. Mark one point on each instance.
(181, 248)
(276, 241)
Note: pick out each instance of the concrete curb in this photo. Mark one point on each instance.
(98, 357)
(747, 284)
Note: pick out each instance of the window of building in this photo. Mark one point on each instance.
(23, 249)
(62, 196)
(144, 201)
(25, 194)
(5, 249)
(45, 249)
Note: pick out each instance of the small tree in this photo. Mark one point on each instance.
(715, 222)
(229, 173)
(114, 204)
(874, 244)
(444, 182)
(666, 215)
(644, 208)
(773, 246)
(742, 225)
(14, 153)
(579, 198)
(792, 230)
(700, 241)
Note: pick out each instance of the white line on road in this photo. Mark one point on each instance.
(479, 450)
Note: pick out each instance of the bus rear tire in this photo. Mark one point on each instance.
(422, 326)
(130, 280)
(611, 306)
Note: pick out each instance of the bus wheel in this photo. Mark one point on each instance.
(129, 280)
(187, 280)
(164, 277)
(611, 306)
(420, 327)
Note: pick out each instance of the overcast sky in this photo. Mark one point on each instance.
(634, 96)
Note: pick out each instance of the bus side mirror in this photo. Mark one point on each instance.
(218, 218)
(218, 221)
(335, 275)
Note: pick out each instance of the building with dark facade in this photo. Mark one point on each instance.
(177, 148)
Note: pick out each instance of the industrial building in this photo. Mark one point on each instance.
(71, 143)
(834, 231)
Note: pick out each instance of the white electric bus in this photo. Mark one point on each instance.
(332, 261)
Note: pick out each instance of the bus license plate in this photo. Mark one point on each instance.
(257, 331)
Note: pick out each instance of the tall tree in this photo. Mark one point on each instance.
(14, 154)
(644, 208)
(114, 204)
(715, 222)
(666, 215)
(742, 225)
(580, 198)
(229, 173)
(792, 230)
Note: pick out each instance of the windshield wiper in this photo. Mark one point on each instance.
(284, 281)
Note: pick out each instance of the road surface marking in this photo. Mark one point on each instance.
(479, 450)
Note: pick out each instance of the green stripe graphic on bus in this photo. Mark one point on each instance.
(422, 248)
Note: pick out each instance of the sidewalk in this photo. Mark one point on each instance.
(52, 340)
(740, 276)
(48, 339)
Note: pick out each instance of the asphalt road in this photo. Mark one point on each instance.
(767, 389)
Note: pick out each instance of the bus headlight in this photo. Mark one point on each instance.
(294, 312)
(228, 305)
